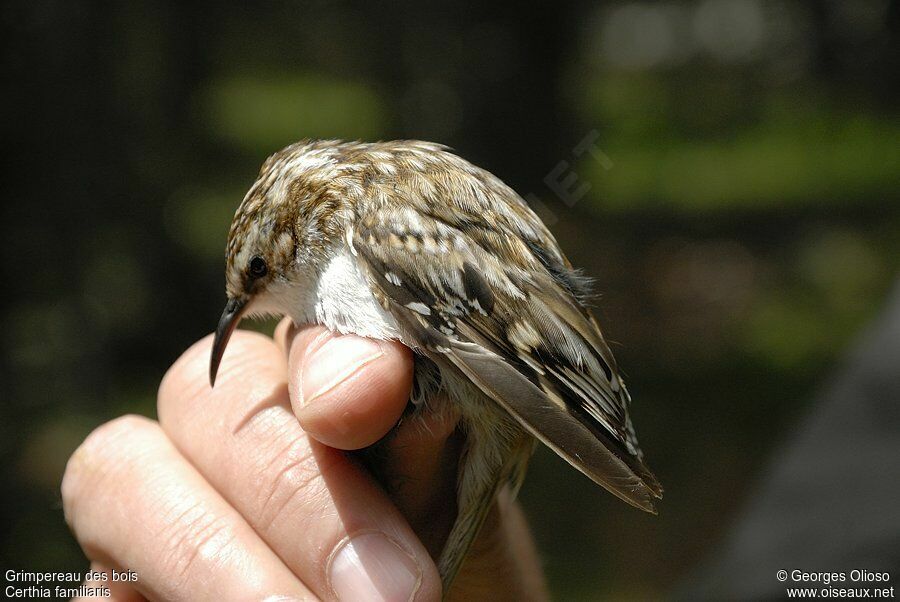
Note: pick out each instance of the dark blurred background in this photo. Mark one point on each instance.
(728, 170)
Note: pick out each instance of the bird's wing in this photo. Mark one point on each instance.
(503, 308)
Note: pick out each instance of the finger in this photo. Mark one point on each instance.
(416, 462)
(102, 583)
(133, 501)
(347, 391)
(323, 515)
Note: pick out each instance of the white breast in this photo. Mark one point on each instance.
(344, 301)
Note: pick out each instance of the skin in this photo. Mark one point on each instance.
(244, 492)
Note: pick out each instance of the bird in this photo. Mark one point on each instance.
(407, 241)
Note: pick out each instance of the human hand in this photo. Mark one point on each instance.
(243, 492)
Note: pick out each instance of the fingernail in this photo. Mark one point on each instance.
(369, 566)
(332, 363)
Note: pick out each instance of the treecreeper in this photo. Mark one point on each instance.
(407, 241)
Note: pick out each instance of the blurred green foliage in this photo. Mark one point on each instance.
(261, 113)
(745, 226)
(789, 155)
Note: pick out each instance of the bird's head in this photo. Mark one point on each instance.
(287, 224)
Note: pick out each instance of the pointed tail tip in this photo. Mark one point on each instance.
(648, 492)
(646, 504)
(651, 482)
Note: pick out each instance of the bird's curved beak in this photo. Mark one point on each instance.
(227, 323)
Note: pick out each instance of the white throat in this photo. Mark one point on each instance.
(339, 297)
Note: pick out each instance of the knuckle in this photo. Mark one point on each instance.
(98, 455)
(193, 536)
(107, 441)
(186, 378)
(293, 480)
(293, 484)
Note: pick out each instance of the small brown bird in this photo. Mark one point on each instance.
(407, 241)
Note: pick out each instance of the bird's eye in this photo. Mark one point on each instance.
(258, 267)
